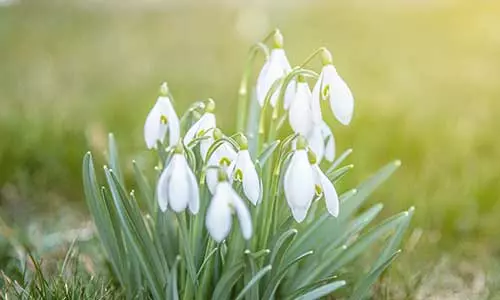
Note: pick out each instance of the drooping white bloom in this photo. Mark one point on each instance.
(177, 186)
(299, 184)
(290, 92)
(326, 187)
(225, 202)
(202, 127)
(275, 67)
(161, 118)
(222, 157)
(322, 142)
(244, 170)
(332, 87)
(300, 114)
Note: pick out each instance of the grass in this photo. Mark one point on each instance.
(424, 73)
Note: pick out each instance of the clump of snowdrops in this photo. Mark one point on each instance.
(245, 215)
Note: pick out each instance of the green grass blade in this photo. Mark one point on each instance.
(339, 160)
(267, 153)
(146, 193)
(254, 280)
(337, 174)
(362, 288)
(322, 291)
(173, 289)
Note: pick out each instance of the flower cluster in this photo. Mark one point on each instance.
(229, 170)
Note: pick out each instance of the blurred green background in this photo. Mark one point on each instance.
(425, 75)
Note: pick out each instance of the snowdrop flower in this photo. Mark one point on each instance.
(243, 170)
(300, 113)
(177, 186)
(324, 186)
(226, 202)
(332, 87)
(222, 158)
(322, 142)
(161, 118)
(202, 128)
(275, 67)
(299, 182)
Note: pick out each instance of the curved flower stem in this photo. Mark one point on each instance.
(310, 57)
(243, 90)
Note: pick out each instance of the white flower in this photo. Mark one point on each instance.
(322, 142)
(224, 204)
(290, 92)
(299, 184)
(222, 157)
(243, 169)
(325, 187)
(276, 67)
(177, 186)
(202, 127)
(300, 113)
(332, 87)
(161, 118)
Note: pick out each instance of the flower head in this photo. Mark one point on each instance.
(332, 87)
(300, 113)
(274, 68)
(322, 142)
(178, 187)
(221, 158)
(299, 182)
(243, 169)
(161, 118)
(203, 127)
(226, 202)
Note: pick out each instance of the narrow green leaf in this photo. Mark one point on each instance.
(145, 191)
(362, 288)
(339, 160)
(337, 174)
(282, 244)
(267, 153)
(227, 281)
(348, 208)
(275, 280)
(173, 289)
(113, 158)
(254, 280)
(322, 291)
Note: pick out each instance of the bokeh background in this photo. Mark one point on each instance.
(425, 75)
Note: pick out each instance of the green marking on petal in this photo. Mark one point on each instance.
(318, 190)
(224, 161)
(238, 175)
(325, 92)
(163, 119)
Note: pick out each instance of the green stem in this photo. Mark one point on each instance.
(190, 285)
(310, 57)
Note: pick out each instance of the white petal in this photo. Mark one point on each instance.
(219, 217)
(299, 182)
(299, 213)
(341, 99)
(172, 122)
(329, 192)
(205, 145)
(330, 141)
(300, 114)
(290, 92)
(316, 96)
(242, 212)
(206, 122)
(178, 185)
(251, 182)
(212, 179)
(154, 129)
(276, 66)
(316, 143)
(162, 188)
(194, 191)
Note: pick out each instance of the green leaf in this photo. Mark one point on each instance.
(336, 175)
(138, 238)
(145, 191)
(282, 244)
(348, 208)
(113, 158)
(275, 280)
(254, 280)
(173, 289)
(267, 153)
(339, 160)
(362, 288)
(227, 281)
(322, 291)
